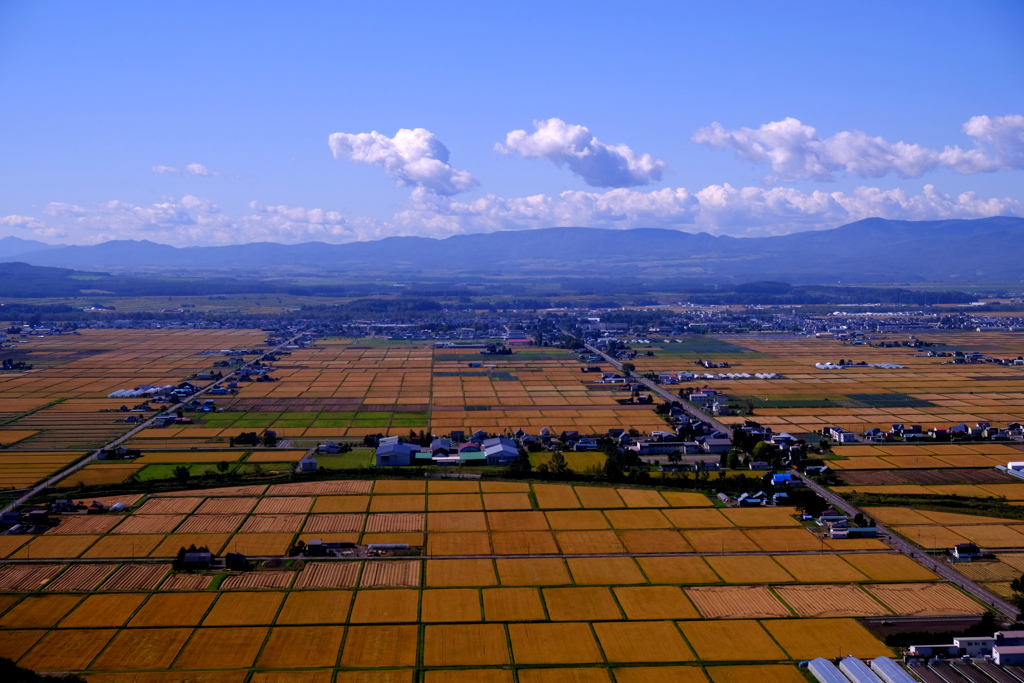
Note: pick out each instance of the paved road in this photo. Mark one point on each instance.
(666, 395)
(74, 467)
(922, 558)
(261, 558)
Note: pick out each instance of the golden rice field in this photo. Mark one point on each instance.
(534, 582)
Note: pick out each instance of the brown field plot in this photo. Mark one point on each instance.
(315, 607)
(173, 609)
(465, 645)
(81, 577)
(39, 611)
(258, 580)
(819, 568)
(517, 521)
(99, 611)
(654, 602)
(604, 571)
(67, 650)
(580, 604)
(380, 646)
(27, 577)
(142, 649)
(455, 521)
(284, 522)
(769, 673)
(810, 638)
(830, 601)
(450, 604)
(512, 604)
(577, 520)
(453, 573)
(780, 540)
(210, 524)
(328, 575)
(568, 643)
(555, 497)
(654, 541)
(302, 646)
(587, 542)
(748, 569)
(136, 577)
(226, 506)
(227, 648)
(736, 602)
(534, 571)
(678, 570)
(720, 540)
(524, 543)
(642, 641)
(889, 567)
(381, 573)
(723, 641)
(395, 522)
(341, 504)
(924, 599)
(385, 606)
(244, 609)
(148, 524)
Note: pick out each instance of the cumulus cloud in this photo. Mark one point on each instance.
(795, 151)
(574, 147)
(716, 209)
(189, 169)
(412, 157)
(21, 222)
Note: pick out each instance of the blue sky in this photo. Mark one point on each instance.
(208, 123)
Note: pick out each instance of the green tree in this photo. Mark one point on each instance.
(223, 466)
(735, 459)
(764, 451)
(558, 465)
(628, 368)
(182, 474)
(521, 466)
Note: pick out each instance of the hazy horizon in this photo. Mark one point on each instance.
(191, 124)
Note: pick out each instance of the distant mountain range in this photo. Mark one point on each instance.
(874, 250)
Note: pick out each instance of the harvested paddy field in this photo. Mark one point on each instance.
(621, 592)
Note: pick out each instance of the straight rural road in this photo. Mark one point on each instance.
(261, 558)
(74, 467)
(918, 555)
(666, 395)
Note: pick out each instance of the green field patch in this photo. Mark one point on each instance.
(339, 415)
(293, 424)
(157, 472)
(890, 401)
(307, 416)
(331, 424)
(368, 415)
(410, 422)
(265, 467)
(265, 417)
(378, 422)
(783, 402)
(354, 459)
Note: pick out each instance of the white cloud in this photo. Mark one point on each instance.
(717, 209)
(795, 151)
(573, 146)
(412, 157)
(189, 169)
(21, 222)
